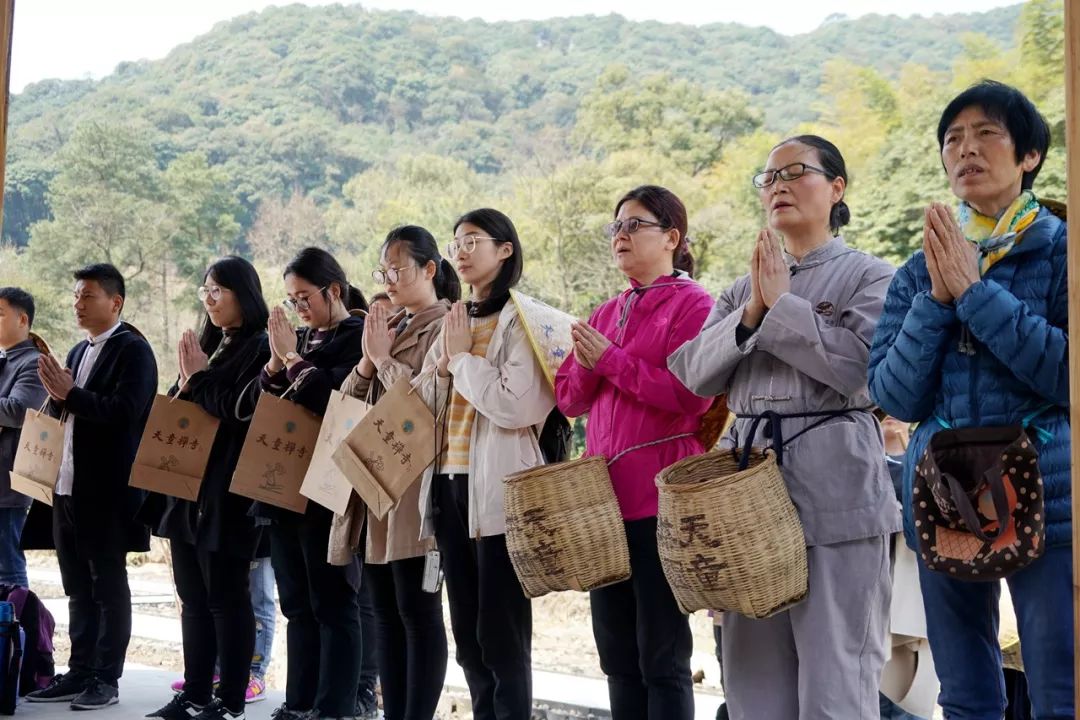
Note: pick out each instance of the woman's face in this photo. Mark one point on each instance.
(479, 258)
(314, 305)
(979, 156)
(222, 305)
(639, 253)
(413, 283)
(801, 206)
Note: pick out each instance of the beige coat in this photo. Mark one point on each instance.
(396, 536)
(512, 400)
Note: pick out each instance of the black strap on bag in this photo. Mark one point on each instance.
(967, 511)
(774, 429)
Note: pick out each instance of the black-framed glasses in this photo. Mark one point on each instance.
(794, 171)
(210, 291)
(465, 244)
(301, 303)
(630, 225)
(391, 275)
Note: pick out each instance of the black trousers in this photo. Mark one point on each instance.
(411, 639)
(489, 614)
(94, 576)
(320, 601)
(216, 620)
(369, 665)
(644, 641)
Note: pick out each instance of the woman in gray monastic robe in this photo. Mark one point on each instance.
(789, 344)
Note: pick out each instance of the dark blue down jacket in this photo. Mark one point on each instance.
(1016, 320)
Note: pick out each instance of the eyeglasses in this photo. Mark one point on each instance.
(391, 275)
(300, 303)
(630, 225)
(211, 291)
(465, 244)
(794, 171)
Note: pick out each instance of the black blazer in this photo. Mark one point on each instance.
(218, 521)
(109, 413)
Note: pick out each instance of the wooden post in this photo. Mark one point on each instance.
(1072, 148)
(7, 23)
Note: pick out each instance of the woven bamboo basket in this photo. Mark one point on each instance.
(730, 539)
(564, 530)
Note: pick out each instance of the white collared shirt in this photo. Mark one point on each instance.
(66, 479)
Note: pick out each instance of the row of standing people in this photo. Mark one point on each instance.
(792, 345)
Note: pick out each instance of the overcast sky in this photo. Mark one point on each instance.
(88, 38)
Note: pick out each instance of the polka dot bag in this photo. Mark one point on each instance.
(978, 503)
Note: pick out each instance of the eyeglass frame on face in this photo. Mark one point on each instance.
(632, 225)
(466, 243)
(391, 275)
(211, 291)
(303, 303)
(784, 174)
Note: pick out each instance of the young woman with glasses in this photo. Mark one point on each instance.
(214, 538)
(642, 419)
(412, 648)
(487, 387)
(789, 343)
(319, 600)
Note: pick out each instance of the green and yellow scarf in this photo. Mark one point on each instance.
(996, 236)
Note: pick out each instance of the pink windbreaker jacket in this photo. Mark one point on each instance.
(631, 397)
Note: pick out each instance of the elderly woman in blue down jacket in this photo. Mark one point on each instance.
(974, 334)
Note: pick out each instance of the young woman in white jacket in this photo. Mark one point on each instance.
(491, 399)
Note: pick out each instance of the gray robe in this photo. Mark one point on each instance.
(809, 354)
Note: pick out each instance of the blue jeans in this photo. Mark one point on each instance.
(12, 560)
(262, 601)
(962, 621)
(892, 711)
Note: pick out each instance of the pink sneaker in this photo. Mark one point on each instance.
(178, 685)
(256, 690)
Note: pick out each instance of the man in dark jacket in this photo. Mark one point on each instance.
(20, 389)
(106, 391)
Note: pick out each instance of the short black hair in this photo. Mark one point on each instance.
(20, 300)
(1010, 107)
(105, 275)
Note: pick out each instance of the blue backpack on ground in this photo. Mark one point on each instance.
(11, 645)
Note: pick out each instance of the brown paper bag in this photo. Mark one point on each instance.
(324, 482)
(37, 461)
(390, 448)
(175, 448)
(276, 453)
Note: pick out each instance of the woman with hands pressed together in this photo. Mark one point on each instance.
(214, 539)
(491, 399)
(412, 647)
(789, 343)
(974, 334)
(319, 600)
(642, 419)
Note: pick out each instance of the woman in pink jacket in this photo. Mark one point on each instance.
(642, 419)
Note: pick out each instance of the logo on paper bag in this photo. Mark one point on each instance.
(271, 478)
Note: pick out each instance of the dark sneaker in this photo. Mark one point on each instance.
(367, 705)
(179, 708)
(64, 687)
(284, 713)
(98, 694)
(217, 711)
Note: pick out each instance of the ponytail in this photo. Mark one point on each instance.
(684, 259)
(354, 299)
(447, 284)
(421, 247)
